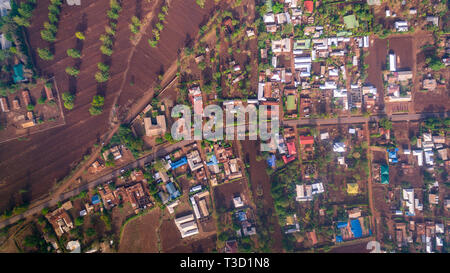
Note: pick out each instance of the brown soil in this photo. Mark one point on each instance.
(140, 235)
(224, 194)
(260, 179)
(50, 155)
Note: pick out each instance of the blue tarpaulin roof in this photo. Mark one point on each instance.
(341, 224)
(271, 161)
(179, 163)
(242, 216)
(356, 228)
(338, 239)
(174, 193)
(213, 161)
(95, 199)
(393, 154)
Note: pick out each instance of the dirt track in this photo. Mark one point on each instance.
(36, 165)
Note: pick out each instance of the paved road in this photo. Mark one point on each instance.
(65, 196)
(361, 119)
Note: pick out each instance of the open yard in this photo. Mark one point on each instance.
(141, 234)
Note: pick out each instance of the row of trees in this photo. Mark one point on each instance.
(50, 29)
(102, 75)
(135, 26)
(75, 54)
(159, 26)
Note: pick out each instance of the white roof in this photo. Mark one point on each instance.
(439, 228)
(269, 18)
(339, 147)
(324, 136)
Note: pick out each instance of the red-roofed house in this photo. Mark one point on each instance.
(309, 6)
(305, 140)
(291, 148)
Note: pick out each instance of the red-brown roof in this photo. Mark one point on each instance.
(304, 140)
(309, 6)
(291, 148)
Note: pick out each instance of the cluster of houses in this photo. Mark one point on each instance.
(19, 105)
(355, 227)
(446, 58)
(222, 164)
(426, 147)
(187, 225)
(397, 82)
(429, 235)
(284, 79)
(244, 217)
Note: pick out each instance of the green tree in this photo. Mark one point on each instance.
(41, 100)
(48, 35)
(68, 100)
(98, 101)
(45, 54)
(80, 35)
(385, 123)
(101, 76)
(79, 221)
(72, 71)
(74, 53)
(106, 50)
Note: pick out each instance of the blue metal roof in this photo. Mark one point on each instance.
(242, 216)
(173, 192)
(271, 161)
(341, 224)
(95, 199)
(213, 161)
(179, 163)
(356, 228)
(339, 239)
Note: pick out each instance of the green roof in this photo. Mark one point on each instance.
(350, 21)
(290, 103)
(344, 33)
(385, 179)
(18, 73)
(384, 174)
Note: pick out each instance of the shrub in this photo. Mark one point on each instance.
(48, 35)
(106, 50)
(80, 35)
(95, 111)
(98, 101)
(152, 43)
(101, 76)
(74, 53)
(112, 14)
(30, 107)
(68, 100)
(21, 21)
(45, 54)
(50, 27)
(201, 3)
(72, 71)
(41, 100)
(52, 18)
(103, 67)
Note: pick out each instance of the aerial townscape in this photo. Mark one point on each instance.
(90, 161)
